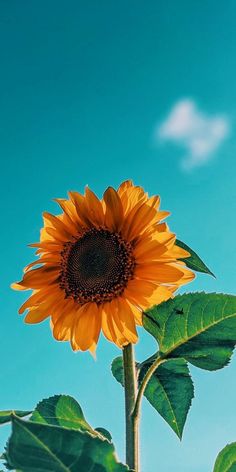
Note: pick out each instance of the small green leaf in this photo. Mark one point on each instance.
(117, 370)
(5, 416)
(37, 447)
(226, 460)
(104, 433)
(193, 262)
(61, 410)
(196, 326)
(170, 389)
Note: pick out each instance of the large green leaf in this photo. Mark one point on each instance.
(36, 447)
(61, 410)
(197, 326)
(226, 460)
(194, 262)
(170, 389)
(5, 416)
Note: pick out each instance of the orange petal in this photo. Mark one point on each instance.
(126, 317)
(152, 248)
(158, 272)
(54, 234)
(124, 186)
(187, 274)
(114, 210)
(171, 255)
(69, 217)
(62, 325)
(37, 297)
(111, 325)
(139, 291)
(36, 315)
(45, 309)
(18, 286)
(47, 245)
(87, 326)
(130, 195)
(154, 202)
(57, 224)
(160, 294)
(179, 253)
(137, 312)
(95, 208)
(38, 278)
(162, 227)
(107, 326)
(140, 218)
(48, 260)
(81, 208)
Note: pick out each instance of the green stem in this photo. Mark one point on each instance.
(130, 385)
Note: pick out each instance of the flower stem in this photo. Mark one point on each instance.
(130, 385)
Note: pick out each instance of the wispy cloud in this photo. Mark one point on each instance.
(198, 133)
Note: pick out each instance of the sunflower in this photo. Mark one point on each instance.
(101, 263)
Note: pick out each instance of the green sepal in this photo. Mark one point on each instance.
(193, 261)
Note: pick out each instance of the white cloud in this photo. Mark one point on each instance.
(201, 135)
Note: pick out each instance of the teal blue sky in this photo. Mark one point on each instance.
(83, 85)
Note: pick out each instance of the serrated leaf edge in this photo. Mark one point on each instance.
(167, 352)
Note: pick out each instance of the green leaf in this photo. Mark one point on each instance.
(170, 389)
(117, 370)
(194, 262)
(36, 447)
(226, 460)
(61, 410)
(196, 326)
(5, 416)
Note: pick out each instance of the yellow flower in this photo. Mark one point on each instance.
(102, 262)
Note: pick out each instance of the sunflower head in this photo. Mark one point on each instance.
(100, 264)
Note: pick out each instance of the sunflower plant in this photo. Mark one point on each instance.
(107, 266)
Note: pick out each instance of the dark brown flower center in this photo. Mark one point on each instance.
(97, 266)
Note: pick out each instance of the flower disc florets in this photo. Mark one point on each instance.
(97, 267)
